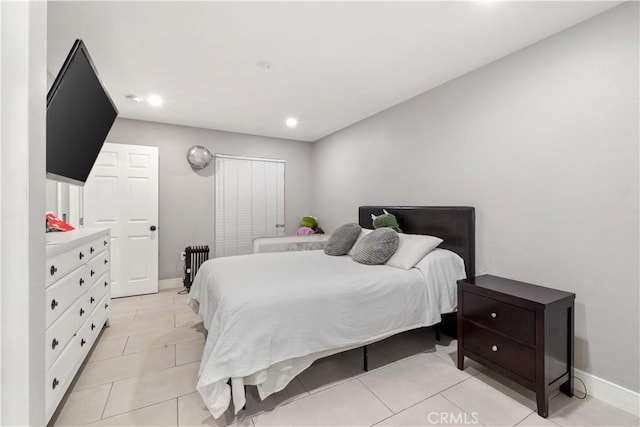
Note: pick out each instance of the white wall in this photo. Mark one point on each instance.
(544, 143)
(186, 196)
(23, 44)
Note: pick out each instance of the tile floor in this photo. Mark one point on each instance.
(142, 372)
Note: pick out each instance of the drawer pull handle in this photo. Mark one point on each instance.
(92, 273)
(81, 281)
(494, 314)
(81, 311)
(81, 255)
(106, 261)
(494, 348)
(53, 270)
(106, 306)
(105, 284)
(82, 342)
(54, 304)
(55, 383)
(54, 343)
(91, 250)
(91, 300)
(105, 243)
(93, 326)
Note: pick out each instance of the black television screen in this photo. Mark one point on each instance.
(80, 114)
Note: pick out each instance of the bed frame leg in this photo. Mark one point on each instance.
(366, 358)
(437, 332)
(245, 393)
(245, 398)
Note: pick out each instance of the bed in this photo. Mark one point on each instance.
(270, 316)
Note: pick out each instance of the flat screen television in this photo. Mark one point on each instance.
(80, 114)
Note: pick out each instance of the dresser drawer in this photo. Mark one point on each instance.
(97, 266)
(95, 247)
(502, 351)
(63, 294)
(95, 322)
(102, 243)
(61, 374)
(508, 319)
(61, 332)
(95, 294)
(60, 265)
(86, 334)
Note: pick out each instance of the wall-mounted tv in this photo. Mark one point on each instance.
(80, 114)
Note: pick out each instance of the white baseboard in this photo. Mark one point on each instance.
(170, 283)
(613, 394)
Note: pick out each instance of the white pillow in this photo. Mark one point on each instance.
(363, 233)
(412, 248)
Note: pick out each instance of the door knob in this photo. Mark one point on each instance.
(152, 228)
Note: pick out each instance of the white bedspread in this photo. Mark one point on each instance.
(269, 316)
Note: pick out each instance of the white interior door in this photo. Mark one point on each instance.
(249, 202)
(122, 194)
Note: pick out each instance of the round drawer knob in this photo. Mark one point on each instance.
(81, 281)
(55, 383)
(91, 300)
(106, 261)
(106, 284)
(93, 326)
(91, 250)
(105, 243)
(53, 270)
(494, 314)
(106, 306)
(82, 342)
(81, 255)
(54, 343)
(92, 273)
(54, 304)
(81, 311)
(494, 348)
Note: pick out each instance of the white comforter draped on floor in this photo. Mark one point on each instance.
(269, 316)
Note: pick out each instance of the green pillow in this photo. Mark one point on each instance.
(309, 221)
(386, 220)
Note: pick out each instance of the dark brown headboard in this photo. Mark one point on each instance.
(455, 225)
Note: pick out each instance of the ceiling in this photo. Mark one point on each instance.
(333, 63)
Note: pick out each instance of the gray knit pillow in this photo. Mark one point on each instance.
(342, 239)
(376, 247)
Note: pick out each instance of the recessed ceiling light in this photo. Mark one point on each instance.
(292, 122)
(155, 100)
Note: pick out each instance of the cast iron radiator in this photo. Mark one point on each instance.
(194, 257)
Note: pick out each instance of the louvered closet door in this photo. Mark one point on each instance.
(249, 202)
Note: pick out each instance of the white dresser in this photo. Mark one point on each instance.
(78, 295)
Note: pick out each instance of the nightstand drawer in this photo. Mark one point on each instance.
(505, 318)
(502, 351)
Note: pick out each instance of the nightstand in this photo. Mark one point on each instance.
(520, 330)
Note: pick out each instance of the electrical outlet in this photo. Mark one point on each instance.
(183, 255)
